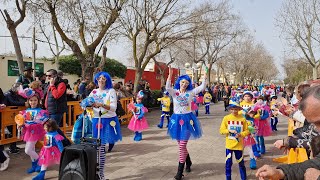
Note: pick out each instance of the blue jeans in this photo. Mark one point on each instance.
(58, 118)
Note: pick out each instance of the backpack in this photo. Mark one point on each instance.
(120, 111)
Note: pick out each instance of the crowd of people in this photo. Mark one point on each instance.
(254, 112)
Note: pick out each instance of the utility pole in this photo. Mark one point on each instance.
(34, 48)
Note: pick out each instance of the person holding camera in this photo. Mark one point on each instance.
(55, 99)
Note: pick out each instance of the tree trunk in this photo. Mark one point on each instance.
(314, 72)
(138, 77)
(87, 66)
(56, 61)
(162, 80)
(209, 73)
(17, 49)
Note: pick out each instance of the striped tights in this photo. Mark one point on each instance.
(183, 152)
(102, 153)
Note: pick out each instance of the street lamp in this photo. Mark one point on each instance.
(198, 66)
(234, 77)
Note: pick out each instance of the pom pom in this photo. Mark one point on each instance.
(144, 109)
(131, 107)
(19, 119)
(89, 101)
(59, 137)
(140, 94)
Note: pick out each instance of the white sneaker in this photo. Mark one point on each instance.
(5, 165)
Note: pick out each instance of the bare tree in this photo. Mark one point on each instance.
(249, 61)
(12, 26)
(299, 22)
(152, 26)
(302, 70)
(83, 25)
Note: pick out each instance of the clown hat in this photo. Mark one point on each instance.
(248, 93)
(26, 93)
(140, 94)
(273, 96)
(166, 93)
(234, 104)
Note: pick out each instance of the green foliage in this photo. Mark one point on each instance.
(155, 95)
(115, 68)
(71, 65)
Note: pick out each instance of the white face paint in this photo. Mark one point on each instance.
(101, 81)
(184, 84)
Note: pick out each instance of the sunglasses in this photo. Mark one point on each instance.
(49, 75)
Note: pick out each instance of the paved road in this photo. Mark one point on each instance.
(156, 156)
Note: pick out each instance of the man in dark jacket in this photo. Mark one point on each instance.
(310, 169)
(55, 99)
(26, 78)
(14, 99)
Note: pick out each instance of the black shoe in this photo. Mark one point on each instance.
(179, 174)
(188, 164)
(110, 147)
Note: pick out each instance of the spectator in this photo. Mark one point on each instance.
(91, 86)
(76, 86)
(309, 106)
(36, 86)
(119, 93)
(60, 74)
(56, 100)
(14, 99)
(42, 79)
(26, 78)
(141, 85)
(4, 158)
(83, 85)
(128, 91)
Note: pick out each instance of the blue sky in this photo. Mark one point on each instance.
(258, 15)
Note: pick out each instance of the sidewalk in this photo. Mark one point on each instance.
(156, 156)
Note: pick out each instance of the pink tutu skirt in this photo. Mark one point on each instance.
(200, 99)
(264, 128)
(49, 156)
(249, 140)
(33, 133)
(138, 125)
(194, 106)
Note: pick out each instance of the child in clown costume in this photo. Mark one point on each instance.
(206, 100)
(235, 128)
(195, 105)
(51, 151)
(274, 112)
(165, 107)
(262, 123)
(138, 122)
(31, 121)
(250, 144)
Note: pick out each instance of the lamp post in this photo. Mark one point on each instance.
(198, 67)
(227, 78)
(234, 77)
